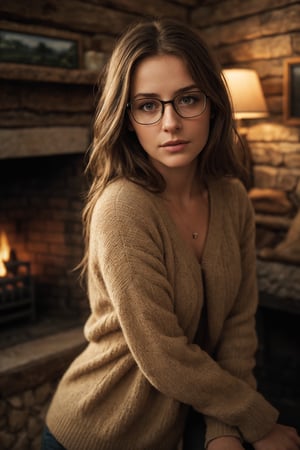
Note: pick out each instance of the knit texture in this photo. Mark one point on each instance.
(146, 357)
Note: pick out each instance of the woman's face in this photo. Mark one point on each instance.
(173, 141)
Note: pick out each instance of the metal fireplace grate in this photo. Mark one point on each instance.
(16, 292)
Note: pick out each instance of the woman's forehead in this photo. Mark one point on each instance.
(160, 74)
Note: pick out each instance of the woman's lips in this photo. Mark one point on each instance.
(174, 146)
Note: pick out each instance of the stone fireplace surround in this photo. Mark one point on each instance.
(40, 203)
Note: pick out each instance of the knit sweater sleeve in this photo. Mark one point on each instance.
(131, 261)
(238, 343)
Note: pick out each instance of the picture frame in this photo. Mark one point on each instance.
(291, 91)
(26, 45)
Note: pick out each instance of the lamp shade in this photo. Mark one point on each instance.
(246, 93)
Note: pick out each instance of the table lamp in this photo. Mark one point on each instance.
(246, 94)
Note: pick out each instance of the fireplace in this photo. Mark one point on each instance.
(16, 285)
(40, 217)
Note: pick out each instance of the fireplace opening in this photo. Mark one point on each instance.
(41, 201)
(16, 285)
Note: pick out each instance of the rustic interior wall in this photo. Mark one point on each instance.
(259, 34)
(39, 106)
(98, 22)
(262, 34)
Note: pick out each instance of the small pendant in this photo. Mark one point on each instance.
(195, 235)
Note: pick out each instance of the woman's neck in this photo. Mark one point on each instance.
(182, 185)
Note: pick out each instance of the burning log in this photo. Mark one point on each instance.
(16, 285)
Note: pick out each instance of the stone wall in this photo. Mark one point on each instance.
(262, 34)
(28, 377)
(22, 417)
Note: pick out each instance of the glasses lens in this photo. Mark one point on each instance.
(190, 104)
(146, 110)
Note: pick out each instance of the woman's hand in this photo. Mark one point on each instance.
(225, 443)
(280, 437)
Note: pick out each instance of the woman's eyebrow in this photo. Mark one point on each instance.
(154, 95)
(187, 88)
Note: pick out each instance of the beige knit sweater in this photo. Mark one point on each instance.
(145, 361)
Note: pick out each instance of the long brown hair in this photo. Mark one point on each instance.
(116, 151)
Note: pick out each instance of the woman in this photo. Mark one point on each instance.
(169, 262)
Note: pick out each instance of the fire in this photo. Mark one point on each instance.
(4, 252)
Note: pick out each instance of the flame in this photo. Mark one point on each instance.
(4, 252)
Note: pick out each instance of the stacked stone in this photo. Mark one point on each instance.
(22, 418)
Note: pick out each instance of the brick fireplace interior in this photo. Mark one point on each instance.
(41, 202)
(45, 128)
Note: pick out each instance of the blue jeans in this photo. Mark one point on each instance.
(49, 442)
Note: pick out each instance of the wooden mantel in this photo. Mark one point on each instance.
(24, 72)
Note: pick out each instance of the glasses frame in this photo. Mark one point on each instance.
(172, 102)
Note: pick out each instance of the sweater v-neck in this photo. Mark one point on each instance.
(209, 249)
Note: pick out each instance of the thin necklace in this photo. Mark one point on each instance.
(194, 234)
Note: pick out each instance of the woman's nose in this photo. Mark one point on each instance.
(170, 119)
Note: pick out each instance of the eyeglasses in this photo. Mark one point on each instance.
(147, 111)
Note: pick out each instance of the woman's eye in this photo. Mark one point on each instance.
(148, 106)
(188, 100)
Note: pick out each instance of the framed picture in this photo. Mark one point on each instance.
(38, 46)
(291, 91)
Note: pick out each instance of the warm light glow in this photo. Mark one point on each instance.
(246, 93)
(4, 252)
